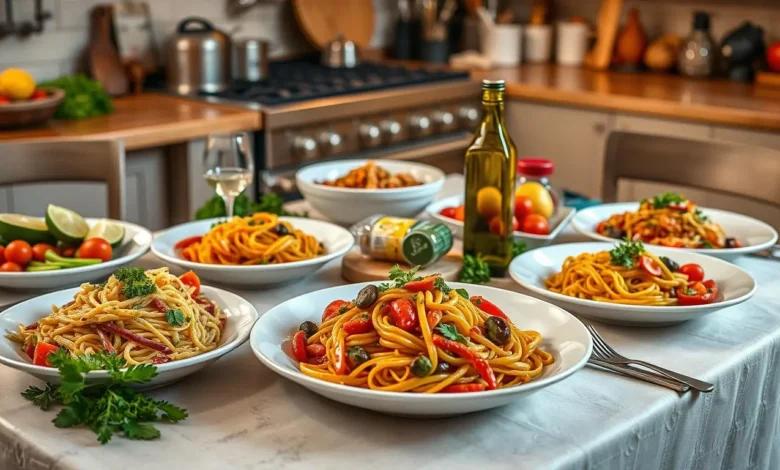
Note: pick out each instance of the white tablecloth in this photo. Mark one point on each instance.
(244, 416)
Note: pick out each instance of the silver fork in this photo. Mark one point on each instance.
(604, 352)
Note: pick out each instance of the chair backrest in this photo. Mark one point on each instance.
(734, 169)
(96, 161)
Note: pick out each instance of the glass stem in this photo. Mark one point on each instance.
(229, 202)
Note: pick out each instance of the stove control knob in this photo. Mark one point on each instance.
(329, 141)
(419, 125)
(370, 135)
(391, 130)
(468, 117)
(443, 120)
(305, 147)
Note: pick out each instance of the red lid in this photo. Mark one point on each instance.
(535, 166)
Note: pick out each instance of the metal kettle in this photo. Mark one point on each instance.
(340, 53)
(198, 58)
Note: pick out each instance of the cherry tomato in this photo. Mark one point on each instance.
(515, 224)
(460, 213)
(30, 351)
(332, 309)
(773, 57)
(41, 354)
(425, 283)
(68, 251)
(649, 266)
(185, 242)
(39, 251)
(315, 350)
(403, 313)
(96, 248)
(38, 95)
(496, 226)
(359, 325)
(449, 212)
(299, 347)
(19, 252)
(9, 267)
(2, 254)
(698, 293)
(191, 279)
(535, 224)
(524, 207)
(4, 99)
(694, 272)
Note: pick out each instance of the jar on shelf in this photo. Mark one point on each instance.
(533, 181)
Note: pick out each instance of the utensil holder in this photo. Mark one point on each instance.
(503, 43)
(537, 41)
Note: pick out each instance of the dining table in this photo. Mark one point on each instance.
(244, 416)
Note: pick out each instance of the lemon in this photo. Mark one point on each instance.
(539, 196)
(488, 202)
(16, 84)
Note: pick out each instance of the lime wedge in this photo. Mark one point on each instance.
(66, 225)
(21, 227)
(108, 230)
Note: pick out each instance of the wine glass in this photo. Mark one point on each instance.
(229, 166)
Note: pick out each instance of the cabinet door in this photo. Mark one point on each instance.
(572, 138)
(749, 137)
(146, 195)
(88, 199)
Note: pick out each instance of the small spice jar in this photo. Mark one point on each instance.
(416, 242)
(537, 171)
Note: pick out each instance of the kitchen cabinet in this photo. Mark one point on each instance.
(665, 127)
(748, 137)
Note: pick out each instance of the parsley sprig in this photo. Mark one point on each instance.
(400, 278)
(106, 408)
(666, 199)
(626, 253)
(475, 270)
(175, 317)
(135, 282)
(451, 332)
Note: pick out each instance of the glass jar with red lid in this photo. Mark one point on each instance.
(533, 176)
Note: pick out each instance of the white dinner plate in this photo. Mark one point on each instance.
(531, 269)
(336, 240)
(136, 243)
(557, 222)
(563, 336)
(754, 234)
(241, 315)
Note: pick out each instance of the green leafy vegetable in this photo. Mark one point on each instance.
(383, 287)
(451, 333)
(706, 244)
(463, 293)
(666, 199)
(626, 253)
(475, 270)
(215, 207)
(441, 285)
(699, 214)
(175, 317)
(106, 408)
(136, 282)
(84, 97)
(518, 248)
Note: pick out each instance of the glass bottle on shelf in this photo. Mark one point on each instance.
(490, 182)
(698, 53)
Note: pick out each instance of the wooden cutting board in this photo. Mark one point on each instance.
(322, 20)
(104, 63)
(356, 267)
(607, 26)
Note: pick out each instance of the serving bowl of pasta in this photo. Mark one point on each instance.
(348, 191)
(260, 249)
(144, 317)
(632, 283)
(422, 347)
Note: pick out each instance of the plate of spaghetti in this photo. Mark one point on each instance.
(255, 250)
(630, 283)
(419, 346)
(671, 220)
(146, 317)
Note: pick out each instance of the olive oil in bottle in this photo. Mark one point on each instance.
(490, 177)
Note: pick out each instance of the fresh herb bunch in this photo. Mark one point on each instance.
(106, 408)
(518, 248)
(475, 270)
(400, 278)
(84, 97)
(136, 282)
(272, 203)
(666, 199)
(626, 253)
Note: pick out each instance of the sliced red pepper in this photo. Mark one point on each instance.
(481, 365)
(161, 360)
(423, 284)
(698, 293)
(341, 358)
(358, 325)
(315, 350)
(463, 388)
(30, 351)
(649, 266)
(41, 354)
(191, 279)
(159, 305)
(299, 347)
(403, 313)
(107, 346)
(185, 242)
(333, 309)
(130, 336)
(434, 317)
(487, 306)
(31, 326)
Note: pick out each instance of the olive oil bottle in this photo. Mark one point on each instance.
(490, 179)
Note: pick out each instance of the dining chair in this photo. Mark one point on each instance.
(739, 170)
(88, 161)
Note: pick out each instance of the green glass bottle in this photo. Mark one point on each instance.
(490, 180)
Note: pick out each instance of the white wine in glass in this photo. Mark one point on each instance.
(229, 166)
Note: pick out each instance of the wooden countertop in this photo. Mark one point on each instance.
(675, 97)
(147, 120)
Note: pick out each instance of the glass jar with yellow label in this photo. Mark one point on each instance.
(416, 242)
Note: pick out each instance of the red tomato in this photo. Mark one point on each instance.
(42, 351)
(449, 212)
(524, 207)
(185, 242)
(460, 213)
(425, 283)
(191, 279)
(773, 57)
(38, 95)
(332, 309)
(694, 272)
(515, 224)
(30, 351)
(359, 325)
(299, 347)
(39, 251)
(19, 252)
(68, 251)
(2, 254)
(403, 313)
(698, 293)
(535, 224)
(9, 267)
(649, 266)
(4, 99)
(96, 248)
(496, 226)
(315, 350)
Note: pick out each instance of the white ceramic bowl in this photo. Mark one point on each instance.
(532, 268)
(347, 206)
(564, 337)
(558, 222)
(336, 240)
(754, 234)
(136, 243)
(241, 315)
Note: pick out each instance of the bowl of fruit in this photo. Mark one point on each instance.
(24, 104)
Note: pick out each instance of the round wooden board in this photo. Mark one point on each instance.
(356, 267)
(322, 20)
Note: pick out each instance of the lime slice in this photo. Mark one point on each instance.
(108, 230)
(66, 225)
(21, 227)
